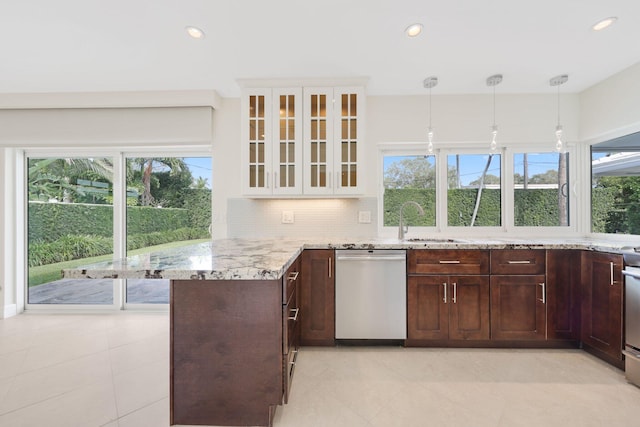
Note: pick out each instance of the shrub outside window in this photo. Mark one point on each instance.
(541, 189)
(474, 190)
(409, 178)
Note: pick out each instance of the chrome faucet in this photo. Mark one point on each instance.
(402, 229)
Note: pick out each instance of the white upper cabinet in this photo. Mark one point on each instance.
(271, 141)
(302, 141)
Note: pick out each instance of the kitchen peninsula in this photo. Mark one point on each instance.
(241, 308)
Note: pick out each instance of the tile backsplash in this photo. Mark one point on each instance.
(254, 218)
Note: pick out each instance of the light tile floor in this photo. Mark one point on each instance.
(113, 370)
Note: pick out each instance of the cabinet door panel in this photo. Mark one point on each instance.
(427, 312)
(469, 310)
(563, 303)
(317, 299)
(517, 310)
(602, 303)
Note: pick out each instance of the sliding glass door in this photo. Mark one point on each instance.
(168, 209)
(69, 223)
(87, 210)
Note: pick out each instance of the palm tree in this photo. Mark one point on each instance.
(52, 177)
(146, 166)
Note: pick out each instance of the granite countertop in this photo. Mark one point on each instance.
(260, 259)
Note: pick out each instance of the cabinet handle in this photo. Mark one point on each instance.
(275, 180)
(266, 182)
(455, 292)
(444, 285)
(338, 180)
(293, 276)
(544, 296)
(444, 261)
(611, 265)
(329, 267)
(295, 356)
(524, 261)
(295, 312)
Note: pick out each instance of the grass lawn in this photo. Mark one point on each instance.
(50, 272)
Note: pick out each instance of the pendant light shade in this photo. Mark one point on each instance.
(493, 81)
(557, 81)
(429, 83)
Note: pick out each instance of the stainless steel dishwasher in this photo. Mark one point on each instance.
(371, 294)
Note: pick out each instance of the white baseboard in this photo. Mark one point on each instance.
(9, 311)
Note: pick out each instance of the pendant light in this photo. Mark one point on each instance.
(493, 81)
(429, 83)
(557, 81)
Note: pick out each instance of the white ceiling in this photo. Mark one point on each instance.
(132, 45)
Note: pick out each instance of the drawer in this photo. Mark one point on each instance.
(518, 261)
(290, 323)
(448, 261)
(290, 279)
(288, 368)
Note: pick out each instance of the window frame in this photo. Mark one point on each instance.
(507, 229)
(119, 156)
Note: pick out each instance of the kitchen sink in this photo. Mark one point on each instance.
(432, 240)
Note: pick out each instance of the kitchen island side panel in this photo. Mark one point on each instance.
(226, 351)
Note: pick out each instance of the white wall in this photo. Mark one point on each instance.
(226, 162)
(611, 108)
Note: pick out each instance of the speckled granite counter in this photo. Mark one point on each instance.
(242, 259)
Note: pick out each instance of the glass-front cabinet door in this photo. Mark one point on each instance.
(287, 141)
(271, 141)
(332, 140)
(256, 141)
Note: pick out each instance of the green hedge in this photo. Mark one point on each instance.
(50, 221)
(394, 198)
(536, 208)
(70, 247)
(533, 207)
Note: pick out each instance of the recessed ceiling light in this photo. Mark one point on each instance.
(413, 30)
(601, 25)
(195, 32)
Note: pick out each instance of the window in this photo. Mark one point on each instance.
(409, 178)
(473, 190)
(615, 189)
(541, 189)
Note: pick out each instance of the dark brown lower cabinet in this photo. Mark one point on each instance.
(602, 300)
(317, 297)
(518, 307)
(448, 308)
(225, 352)
(563, 294)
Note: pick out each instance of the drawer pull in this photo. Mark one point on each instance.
(293, 276)
(295, 356)
(524, 261)
(295, 312)
(445, 261)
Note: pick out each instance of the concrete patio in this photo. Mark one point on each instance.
(98, 291)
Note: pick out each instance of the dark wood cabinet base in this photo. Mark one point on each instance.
(226, 352)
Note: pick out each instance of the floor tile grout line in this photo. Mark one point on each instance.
(141, 408)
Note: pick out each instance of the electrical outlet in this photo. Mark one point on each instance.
(287, 217)
(364, 217)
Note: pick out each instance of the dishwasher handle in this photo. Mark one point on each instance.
(370, 258)
(634, 274)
